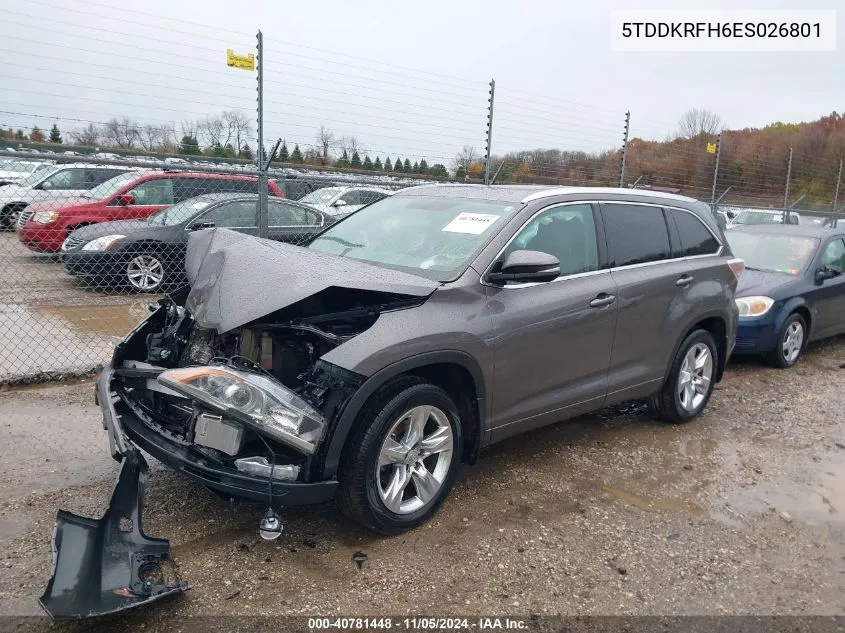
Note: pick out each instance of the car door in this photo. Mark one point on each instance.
(552, 340)
(237, 215)
(291, 222)
(828, 296)
(148, 197)
(657, 294)
(64, 183)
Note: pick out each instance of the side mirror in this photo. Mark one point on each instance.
(44, 186)
(126, 199)
(339, 203)
(827, 272)
(527, 266)
(198, 226)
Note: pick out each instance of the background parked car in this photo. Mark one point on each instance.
(343, 200)
(296, 188)
(54, 184)
(12, 171)
(792, 291)
(149, 254)
(133, 195)
(762, 216)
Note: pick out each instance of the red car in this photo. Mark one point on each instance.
(43, 226)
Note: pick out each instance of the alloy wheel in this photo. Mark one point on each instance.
(695, 376)
(414, 459)
(145, 272)
(793, 342)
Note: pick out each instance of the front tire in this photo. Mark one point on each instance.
(145, 272)
(403, 460)
(791, 342)
(691, 380)
(9, 216)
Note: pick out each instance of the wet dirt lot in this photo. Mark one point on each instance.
(740, 512)
(49, 323)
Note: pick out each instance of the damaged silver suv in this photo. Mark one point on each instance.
(408, 336)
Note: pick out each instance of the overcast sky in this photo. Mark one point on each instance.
(406, 79)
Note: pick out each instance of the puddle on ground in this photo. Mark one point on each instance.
(653, 504)
(109, 320)
(814, 495)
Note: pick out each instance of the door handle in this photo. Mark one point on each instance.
(684, 281)
(602, 300)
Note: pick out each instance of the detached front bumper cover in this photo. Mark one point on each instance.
(107, 565)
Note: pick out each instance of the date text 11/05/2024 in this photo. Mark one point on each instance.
(417, 624)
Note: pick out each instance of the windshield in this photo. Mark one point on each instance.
(757, 217)
(788, 254)
(38, 175)
(321, 196)
(110, 187)
(180, 212)
(432, 237)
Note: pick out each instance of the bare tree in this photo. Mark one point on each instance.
(213, 131)
(325, 139)
(238, 127)
(465, 157)
(350, 145)
(89, 136)
(121, 133)
(188, 128)
(699, 121)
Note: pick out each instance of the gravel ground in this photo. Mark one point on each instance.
(739, 512)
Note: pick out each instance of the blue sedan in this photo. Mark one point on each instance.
(792, 290)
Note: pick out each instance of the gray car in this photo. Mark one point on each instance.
(414, 333)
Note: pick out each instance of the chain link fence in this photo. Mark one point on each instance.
(87, 246)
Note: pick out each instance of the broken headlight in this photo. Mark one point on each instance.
(264, 402)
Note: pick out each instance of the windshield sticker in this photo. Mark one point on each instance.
(473, 223)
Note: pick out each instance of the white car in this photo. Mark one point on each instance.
(763, 216)
(12, 171)
(56, 182)
(343, 200)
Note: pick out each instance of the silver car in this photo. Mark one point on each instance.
(52, 182)
(343, 200)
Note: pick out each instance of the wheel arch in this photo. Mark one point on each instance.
(452, 370)
(716, 324)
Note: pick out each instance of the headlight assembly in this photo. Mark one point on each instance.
(45, 217)
(103, 243)
(255, 399)
(754, 306)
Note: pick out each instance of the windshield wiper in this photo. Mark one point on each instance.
(340, 240)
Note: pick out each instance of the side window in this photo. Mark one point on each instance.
(696, 238)
(568, 232)
(636, 234)
(352, 197)
(66, 179)
(281, 214)
(370, 196)
(184, 188)
(834, 254)
(239, 214)
(94, 177)
(158, 191)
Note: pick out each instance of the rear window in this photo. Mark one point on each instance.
(696, 238)
(636, 234)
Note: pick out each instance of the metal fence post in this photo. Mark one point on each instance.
(262, 164)
(716, 171)
(838, 182)
(788, 177)
(624, 148)
(489, 132)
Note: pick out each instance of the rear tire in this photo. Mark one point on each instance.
(403, 458)
(691, 380)
(9, 216)
(791, 343)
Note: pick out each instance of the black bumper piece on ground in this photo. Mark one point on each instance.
(125, 429)
(107, 565)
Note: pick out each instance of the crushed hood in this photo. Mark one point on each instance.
(236, 278)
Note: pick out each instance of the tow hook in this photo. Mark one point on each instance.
(107, 565)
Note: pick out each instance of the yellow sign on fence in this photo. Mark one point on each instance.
(244, 62)
(711, 148)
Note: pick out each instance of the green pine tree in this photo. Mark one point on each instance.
(439, 171)
(416, 167)
(246, 152)
(407, 166)
(343, 161)
(460, 173)
(55, 135)
(356, 161)
(296, 155)
(378, 164)
(423, 167)
(397, 166)
(388, 166)
(284, 156)
(20, 136)
(190, 146)
(368, 164)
